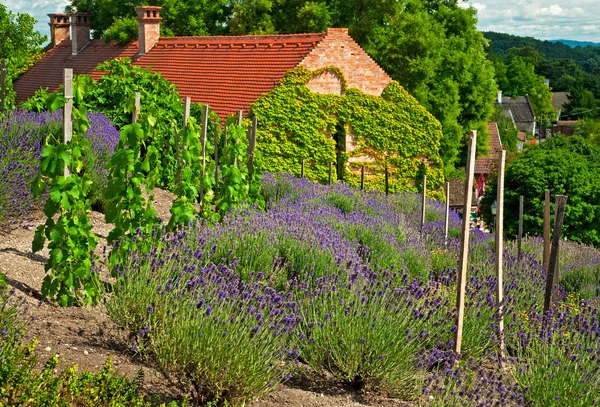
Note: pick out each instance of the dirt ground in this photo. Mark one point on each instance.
(87, 337)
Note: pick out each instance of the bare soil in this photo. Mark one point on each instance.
(87, 337)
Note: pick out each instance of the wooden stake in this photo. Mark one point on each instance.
(3, 86)
(387, 180)
(423, 201)
(547, 230)
(240, 115)
(135, 115)
(216, 148)
(203, 140)
(330, 172)
(68, 110)
(464, 244)
(520, 232)
(186, 110)
(447, 214)
(177, 156)
(251, 146)
(552, 275)
(302, 170)
(362, 178)
(500, 252)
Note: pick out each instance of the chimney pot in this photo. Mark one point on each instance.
(80, 30)
(59, 28)
(148, 27)
(500, 97)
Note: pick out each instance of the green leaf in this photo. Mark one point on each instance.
(38, 239)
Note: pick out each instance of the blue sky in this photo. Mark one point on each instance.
(543, 19)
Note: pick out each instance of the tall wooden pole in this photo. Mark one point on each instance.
(362, 178)
(3, 86)
(135, 115)
(68, 110)
(520, 232)
(423, 201)
(464, 244)
(500, 252)
(447, 214)
(546, 230)
(186, 110)
(552, 275)
(239, 115)
(251, 145)
(203, 140)
(216, 149)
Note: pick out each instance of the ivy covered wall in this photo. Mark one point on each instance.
(350, 130)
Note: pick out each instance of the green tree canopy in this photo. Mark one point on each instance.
(19, 44)
(564, 165)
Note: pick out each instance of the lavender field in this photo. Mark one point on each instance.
(345, 283)
(330, 281)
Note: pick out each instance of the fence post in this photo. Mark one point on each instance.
(552, 275)
(447, 214)
(520, 232)
(186, 110)
(203, 140)
(546, 230)
(387, 180)
(68, 110)
(362, 178)
(216, 148)
(500, 252)
(423, 201)
(464, 244)
(251, 146)
(135, 115)
(3, 86)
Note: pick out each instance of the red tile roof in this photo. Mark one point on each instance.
(228, 73)
(486, 164)
(48, 73)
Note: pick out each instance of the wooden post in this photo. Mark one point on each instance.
(552, 275)
(3, 86)
(330, 172)
(240, 115)
(203, 140)
(216, 148)
(520, 232)
(547, 230)
(464, 244)
(251, 146)
(387, 180)
(362, 178)
(135, 115)
(177, 155)
(500, 252)
(68, 110)
(302, 170)
(423, 201)
(186, 110)
(447, 214)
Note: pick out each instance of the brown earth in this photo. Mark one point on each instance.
(87, 336)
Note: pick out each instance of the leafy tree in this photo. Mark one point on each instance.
(20, 45)
(563, 165)
(588, 129)
(509, 133)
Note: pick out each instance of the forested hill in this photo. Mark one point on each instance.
(587, 57)
(573, 44)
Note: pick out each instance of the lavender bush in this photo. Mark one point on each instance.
(22, 137)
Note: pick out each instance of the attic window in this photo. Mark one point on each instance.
(154, 13)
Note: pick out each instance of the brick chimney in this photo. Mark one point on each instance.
(59, 28)
(80, 29)
(148, 27)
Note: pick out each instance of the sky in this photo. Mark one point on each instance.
(543, 19)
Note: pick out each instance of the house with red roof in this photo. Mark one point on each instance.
(227, 72)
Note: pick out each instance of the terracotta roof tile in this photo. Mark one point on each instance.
(487, 164)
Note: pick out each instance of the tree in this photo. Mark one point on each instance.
(563, 165)
(19, 45)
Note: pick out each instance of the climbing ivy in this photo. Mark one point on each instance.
(392, 130)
